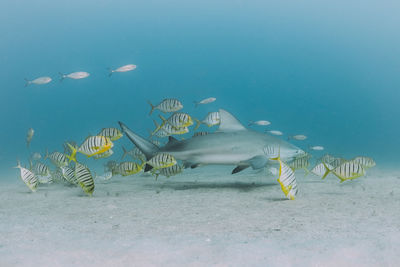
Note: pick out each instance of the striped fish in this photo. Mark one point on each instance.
(168, 129)
(41, 169)
(57, 158)
(210, 120)
(112, 133)
(178, 120)
(155, 142)
(161, 160)
(365, 162)
(69, 174)
(57, 175)
(287, 179)
(300, 163)
(169, 171)
(322, 169)
(332, 161)
(110, 166)
(167, 105)
(28, 177)
(348, 171)
(200, 134)
(128, 168)
(84, 178)
(93, 145)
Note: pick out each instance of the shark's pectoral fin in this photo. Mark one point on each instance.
(240, 168)
(148, 168)
(194, 165)
(257, 162)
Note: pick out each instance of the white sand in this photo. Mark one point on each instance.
(203, 217)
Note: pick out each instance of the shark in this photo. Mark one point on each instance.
(231, 144)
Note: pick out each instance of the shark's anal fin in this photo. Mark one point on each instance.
(195, 165)
(239, 168)
(229, 123)
(172, 140)
(257, 162)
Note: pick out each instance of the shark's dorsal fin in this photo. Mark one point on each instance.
(172, 140)
(229, 123)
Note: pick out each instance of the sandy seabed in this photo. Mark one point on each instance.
(203, 217)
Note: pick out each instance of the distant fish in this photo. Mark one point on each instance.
(28, 177)
(366, 162)
(36, 156)
(125, 68)
(299, 137)
(275, 132)
(155, 142)
(317, 148)
(40, 80)
(106, 176)
(135, 153)
(260, 123)
(29, 136)
(75, 75)
(205, 101)
(112, 133)
(128, 168)
(167, 105)
(321, 169)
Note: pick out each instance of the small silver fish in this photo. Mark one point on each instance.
(29, 136)
(205, 101)
(261, 123)
(125, 68)
(299, 137)
(275, 132)
(75, 75)
(317, 148)
(38, 81)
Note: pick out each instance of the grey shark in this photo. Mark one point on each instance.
(231, 144)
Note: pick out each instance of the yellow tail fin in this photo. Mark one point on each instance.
(198, 123)
(73, 153)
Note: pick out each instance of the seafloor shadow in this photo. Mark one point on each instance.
(240, 186)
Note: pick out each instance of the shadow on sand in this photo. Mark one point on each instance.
(240, 186)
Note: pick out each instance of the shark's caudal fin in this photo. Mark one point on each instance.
(149, 149)
(229, 123)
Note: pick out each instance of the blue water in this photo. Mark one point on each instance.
(329, 70)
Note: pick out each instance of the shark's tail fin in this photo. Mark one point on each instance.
(148, 148)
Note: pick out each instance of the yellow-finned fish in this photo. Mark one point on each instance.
(29, 136)
(287, 179)
(348, 171)
(167, 105)
(41, 169)
(113, 133)
(69, 174)
(321, 169)
(93, 145)
(28, 177)
(332, 161)
(166, 130)
(366, 162)
(178, 120)
(211, 119)
(169, 171)
(135, 153)
(84, 178)
(57, 158)
(162, 160)
(300, 163)
(128, 168)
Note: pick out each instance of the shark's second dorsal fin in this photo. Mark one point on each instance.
(229, 123)
(172, 140)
